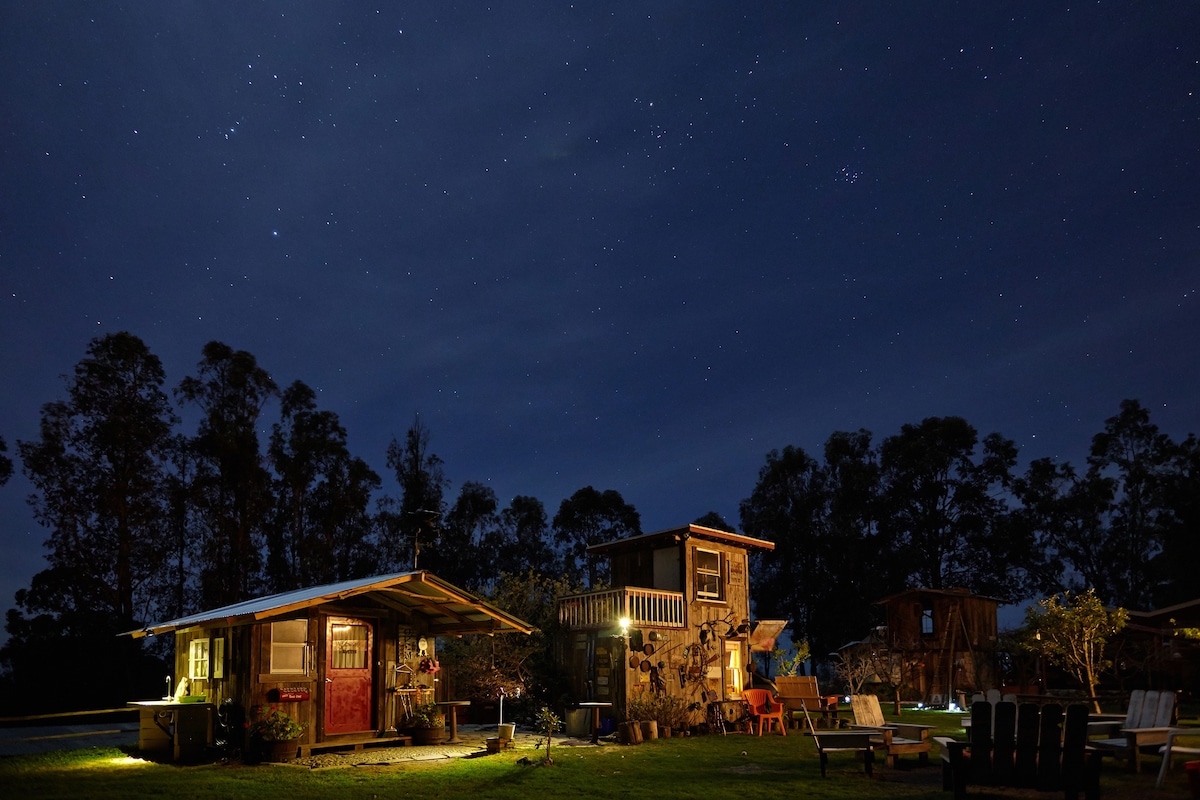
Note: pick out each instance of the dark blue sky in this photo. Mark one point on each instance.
(634, 246)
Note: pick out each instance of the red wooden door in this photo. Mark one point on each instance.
(347, 676)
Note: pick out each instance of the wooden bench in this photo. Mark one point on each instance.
(355, 743)
(799, 693)
(1029, 746)
(858, 742)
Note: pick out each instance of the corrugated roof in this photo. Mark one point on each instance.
(683, 531)
(443, 608)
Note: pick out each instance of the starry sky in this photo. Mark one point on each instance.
(629, 245)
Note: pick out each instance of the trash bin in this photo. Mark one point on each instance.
(579, 722)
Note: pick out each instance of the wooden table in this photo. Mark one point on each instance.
(595, 706)
(453, 706)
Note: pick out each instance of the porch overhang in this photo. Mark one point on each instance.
(440, 607)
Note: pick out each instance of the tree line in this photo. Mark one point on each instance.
(148, 522)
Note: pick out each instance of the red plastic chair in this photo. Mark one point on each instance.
(764, 708)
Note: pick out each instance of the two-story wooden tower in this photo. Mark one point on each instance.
(677, 620)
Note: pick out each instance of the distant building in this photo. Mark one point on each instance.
(945, 639)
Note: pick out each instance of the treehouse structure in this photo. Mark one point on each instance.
(677, 621)
(942, 641)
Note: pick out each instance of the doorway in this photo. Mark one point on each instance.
(348, 682)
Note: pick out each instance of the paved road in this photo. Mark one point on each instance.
(45, 739)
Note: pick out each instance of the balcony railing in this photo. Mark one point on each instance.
(643, 607)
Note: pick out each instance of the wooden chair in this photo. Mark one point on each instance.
(1027, 746)
(1147, 736)
(896, 738)
(764, 709)
(1172, 749)
(858, 742)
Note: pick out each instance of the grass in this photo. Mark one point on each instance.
(736, 765)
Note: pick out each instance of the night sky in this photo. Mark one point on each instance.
(628, 245)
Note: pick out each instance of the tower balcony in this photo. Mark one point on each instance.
(649, 608)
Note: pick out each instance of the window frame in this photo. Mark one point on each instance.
(709, 573)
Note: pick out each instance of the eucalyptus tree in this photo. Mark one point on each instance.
(460, 554)
(522, 542)
(322, 494)
(944, 512)
(1174, 565)
(591, 517)
(787, 508)
(232, 486)
(418, 517)
(99, 468)
(1105, 529)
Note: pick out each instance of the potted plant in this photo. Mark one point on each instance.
(274, 736)
(428, 724)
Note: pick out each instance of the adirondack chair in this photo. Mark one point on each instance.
(1028, 747)
(1147, 736)
(1172, 748)
(764, 708)
(1109, 725)
(895, 738)
(800, 694)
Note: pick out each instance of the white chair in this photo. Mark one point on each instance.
(1172, 749)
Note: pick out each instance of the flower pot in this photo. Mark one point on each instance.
(427, 736)
(279, 752)
(630, 732)
(649, 729)
(508, 730)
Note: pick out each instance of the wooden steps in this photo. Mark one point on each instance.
(355, 743)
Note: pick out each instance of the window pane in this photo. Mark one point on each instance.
(349, 647)
(288, 641)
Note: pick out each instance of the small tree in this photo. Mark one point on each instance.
(547, 723)
(1072, 631)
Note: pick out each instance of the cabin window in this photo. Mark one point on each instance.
(733, 669)
(206, 659)
(926, 621)
(708, 575)
(289, 647)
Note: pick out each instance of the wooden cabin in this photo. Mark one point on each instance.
(684, 597)
(945, 639)
(345, 660)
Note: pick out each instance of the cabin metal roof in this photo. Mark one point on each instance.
(675, 535)
(439, 607)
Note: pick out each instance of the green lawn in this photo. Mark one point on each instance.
(735, 765)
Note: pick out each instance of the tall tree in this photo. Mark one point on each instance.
(422, 489)
(521, 541)
(98, 469)
(787, 508)
(232, 484)
(1138, 459)
(1174, 566)
(322, 495)
(590, 517)
(943, 509)
(459, 554)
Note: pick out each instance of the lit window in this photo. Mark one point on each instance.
(206, 659)
(708, 575)
(289, 647)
